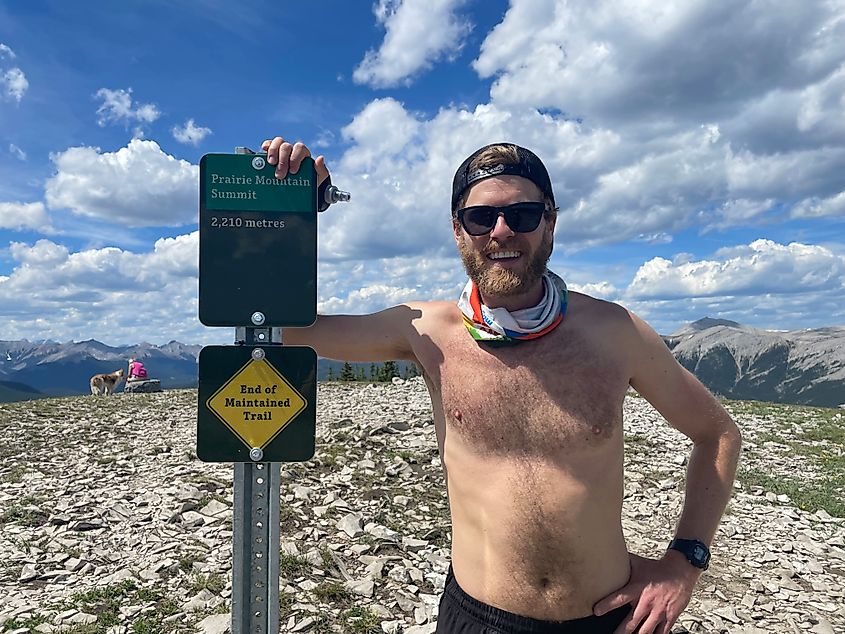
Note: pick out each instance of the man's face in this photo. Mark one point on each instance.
(505, 263)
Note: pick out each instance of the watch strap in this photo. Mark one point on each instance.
(694, 550)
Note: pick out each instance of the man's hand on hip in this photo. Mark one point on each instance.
(658, 591)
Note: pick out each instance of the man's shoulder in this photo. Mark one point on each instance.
(594, 308)
(436, 311)
(612, 321)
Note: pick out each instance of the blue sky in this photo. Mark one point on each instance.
(697, 150)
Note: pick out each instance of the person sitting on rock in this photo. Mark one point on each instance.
(137, 371)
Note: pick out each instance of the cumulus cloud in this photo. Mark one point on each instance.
(419, 33)
(152, 295)
(20, 216)
(13, 82)
(137, 186)
(190, 133)
(759, 268)
(399, 167)
(657, 60)
(119, 107)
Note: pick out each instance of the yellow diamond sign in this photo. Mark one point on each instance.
(256, 403)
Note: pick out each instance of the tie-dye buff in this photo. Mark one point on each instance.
(499, 325)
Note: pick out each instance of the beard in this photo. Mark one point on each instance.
(497, 281)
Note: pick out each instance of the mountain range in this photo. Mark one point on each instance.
(804, 367)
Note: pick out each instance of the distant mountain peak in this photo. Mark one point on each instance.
(708, 322)
(703, 324)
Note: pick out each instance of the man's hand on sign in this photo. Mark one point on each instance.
(287, 157)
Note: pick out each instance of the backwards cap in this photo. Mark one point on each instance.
(529, 166)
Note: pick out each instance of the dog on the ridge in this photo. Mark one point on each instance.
(106, 384)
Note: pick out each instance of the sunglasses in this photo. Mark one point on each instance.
(521, 217)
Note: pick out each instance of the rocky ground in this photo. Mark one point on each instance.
(110, 523)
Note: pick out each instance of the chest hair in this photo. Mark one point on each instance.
(551, 396)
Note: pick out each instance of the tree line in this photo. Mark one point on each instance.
(383, 373)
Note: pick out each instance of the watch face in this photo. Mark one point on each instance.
(698, 553)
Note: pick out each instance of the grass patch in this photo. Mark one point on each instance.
(212, 582)
(25, 513)
(15, 474)
(105, 604)
(16, 624)
(333, 592)
(326, 557)
(286, 602)
(807, 495)
(360, 621)
(293, 565)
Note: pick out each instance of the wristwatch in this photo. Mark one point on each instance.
(695, 551)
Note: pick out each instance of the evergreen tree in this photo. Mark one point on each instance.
(346, 372)
(330, 374)
(387, 371)
(362, 376)
(373, 372)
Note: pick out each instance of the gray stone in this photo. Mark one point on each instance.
(363, 587)
(215, 624)
(145, 387)
(351, 524)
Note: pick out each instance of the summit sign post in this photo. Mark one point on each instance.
(257, 399)
(258, 243)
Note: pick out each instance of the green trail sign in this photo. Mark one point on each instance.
(256, 398)
(258, 243)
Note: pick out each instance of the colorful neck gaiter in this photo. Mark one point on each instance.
(499, 325)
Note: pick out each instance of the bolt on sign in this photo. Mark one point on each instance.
(258, 242)
(246, 403)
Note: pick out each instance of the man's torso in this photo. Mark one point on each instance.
(531, 441)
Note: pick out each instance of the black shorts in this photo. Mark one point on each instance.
(461, 614)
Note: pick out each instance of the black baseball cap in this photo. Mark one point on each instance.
(528, 166)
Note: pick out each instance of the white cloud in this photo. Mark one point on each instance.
(137, 186)
(118, 107)
(17, 152)
(21, 216)
(419, 33)
(603, 290)
(87, 294)
(13, 82)
(818, 207)
(382, 128)
(760, 268)
(661, 60)
(190, 133)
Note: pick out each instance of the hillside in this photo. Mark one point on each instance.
(108, 519)
(803, 367)
(13, 391)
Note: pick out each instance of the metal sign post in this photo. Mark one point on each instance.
(257, 399)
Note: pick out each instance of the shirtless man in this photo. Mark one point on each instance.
(527, 382)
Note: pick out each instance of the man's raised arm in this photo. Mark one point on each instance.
(380, 336)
